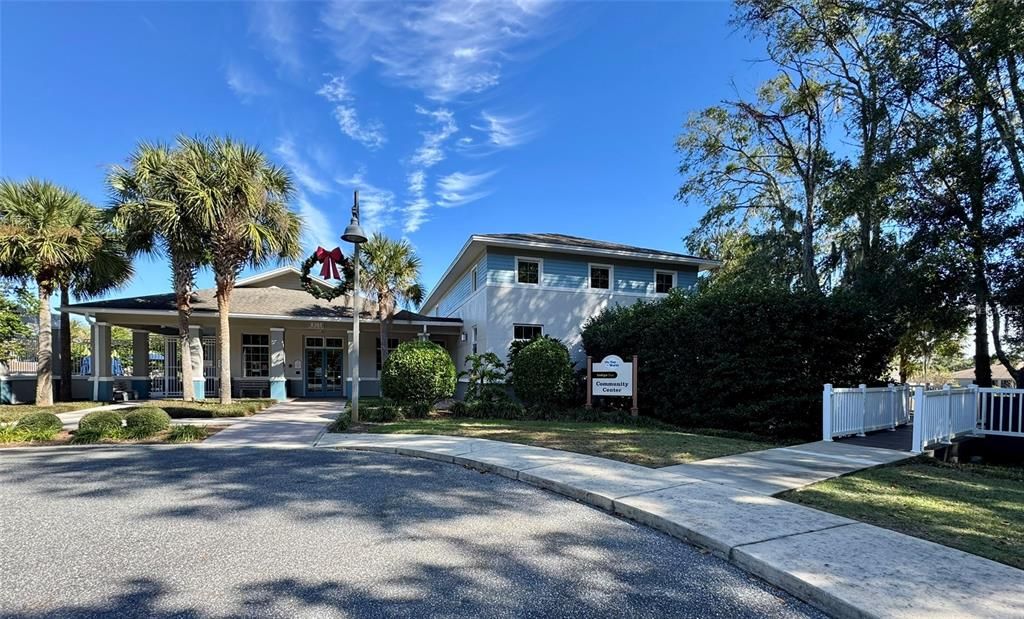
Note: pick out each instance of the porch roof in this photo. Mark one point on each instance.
(269, 302)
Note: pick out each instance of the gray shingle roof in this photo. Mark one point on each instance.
(269, 301)
(580, 242)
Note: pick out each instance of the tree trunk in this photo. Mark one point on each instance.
(385, 330)
(188, 387)
(44, 356)
(1017, 374)
(982, 355)
(904, 370)
(810, 274)
(65, 347)
(224, 339)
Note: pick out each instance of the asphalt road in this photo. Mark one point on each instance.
(161, 531)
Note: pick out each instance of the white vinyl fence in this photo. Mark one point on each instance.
(943, 415)
(857, 410)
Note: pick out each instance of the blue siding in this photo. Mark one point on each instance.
(562, 271)
(457, 294)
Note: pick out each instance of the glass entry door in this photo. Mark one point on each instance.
(324, 363)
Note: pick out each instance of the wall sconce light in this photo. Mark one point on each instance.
(463, 337)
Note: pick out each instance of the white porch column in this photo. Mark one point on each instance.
(102, 381)
(140, 363)
(195, 344)
(278, 381)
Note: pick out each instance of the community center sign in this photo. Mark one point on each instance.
(611, 377)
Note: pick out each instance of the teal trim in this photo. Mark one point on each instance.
(105, 391)
(6, 396)
(141, 387)
(199, 385)
(278, 389)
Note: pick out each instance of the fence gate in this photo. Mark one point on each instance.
(167, 383)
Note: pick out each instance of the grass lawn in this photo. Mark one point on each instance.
(176, 434)
(978, 509)
(645, 444)
(179, 409)
(14, 412)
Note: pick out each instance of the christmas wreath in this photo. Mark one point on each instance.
(330, 260)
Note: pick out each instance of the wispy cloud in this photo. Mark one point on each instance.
(445, 49)
(276, 25)
(317, 229)
(376, 205)
(504, 131)
(245, 83)
(303, 171)
(369, 134)
(431, 152)
(461, 188)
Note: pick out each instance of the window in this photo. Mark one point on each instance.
(392, 345)
(255, 355)
(527, 332)
(474, 279)
(474, 339)
(600, 277)
(664, 281)
(527, 271)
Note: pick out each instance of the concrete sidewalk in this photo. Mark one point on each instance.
(844, 567)
(286, 425)
(773, 471)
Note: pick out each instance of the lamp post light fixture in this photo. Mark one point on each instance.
(354, 234)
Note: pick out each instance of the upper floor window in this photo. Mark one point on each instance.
(473, 278)
(600, 277)
(255, 355)
(527, 271)
(664, 281)
(527, 332)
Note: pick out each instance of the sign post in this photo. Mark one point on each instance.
(612, 377)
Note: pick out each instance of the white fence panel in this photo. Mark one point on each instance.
(1001, 411)
(941, 416)
(847, 411)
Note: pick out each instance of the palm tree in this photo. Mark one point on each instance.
(390, 275)
(109, 268)
(46, 231)
(241, 199)
(149, 212)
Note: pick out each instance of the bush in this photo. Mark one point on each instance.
(418, 372)
(87, 436)
(106, 423)
(39, 426)
(187, 434)
(341, 422)
(382, 411)
(146, 421)
(542, 373)
(743, 357)
(418, 410)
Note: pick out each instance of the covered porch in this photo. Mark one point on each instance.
(283, 343)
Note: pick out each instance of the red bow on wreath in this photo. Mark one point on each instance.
(330, 261)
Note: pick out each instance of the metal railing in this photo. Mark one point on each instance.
(857, 410)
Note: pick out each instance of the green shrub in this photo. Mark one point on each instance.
(146, 421)
(418, 410)
(458, 409)
(107, 423)
(341, 422)
(10, 434)
(418, 372)
(542, 373)
(745, 358)
(87, 436)
(383, 411)
(40, 426)
(187, 434)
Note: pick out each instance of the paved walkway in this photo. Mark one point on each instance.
(287, 425)
(844, 567)
(787, 468)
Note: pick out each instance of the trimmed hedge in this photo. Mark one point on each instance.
(542, 373)
(146, 421)
(103, 423)
(42, 426)
(750, 358)
(418, 372)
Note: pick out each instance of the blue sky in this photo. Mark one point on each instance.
(451, 119)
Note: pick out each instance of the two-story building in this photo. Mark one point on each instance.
(506, 287)
(285, 343)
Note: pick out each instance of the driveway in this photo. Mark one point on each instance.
(177, 530)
